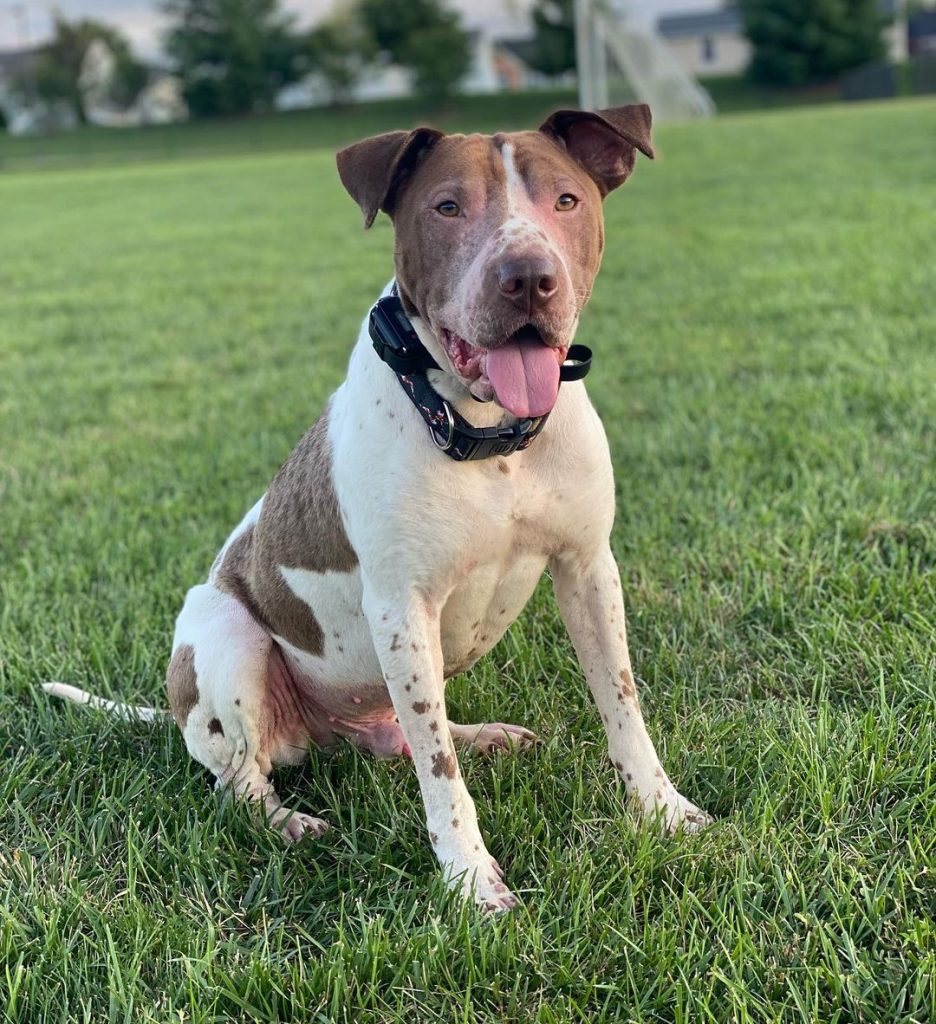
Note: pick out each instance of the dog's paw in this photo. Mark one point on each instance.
(482, 882)
(294, 825)
(676, 813)
(491, 736)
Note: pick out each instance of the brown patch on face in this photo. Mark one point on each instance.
(470, 170)
(627, 684)
(444, 764)
(215, 727)
(421, 707)
(299, 528)
(182, 683)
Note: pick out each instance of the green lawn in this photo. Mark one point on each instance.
(765, 365)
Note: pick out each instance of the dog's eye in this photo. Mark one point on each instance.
(448, 208)
(566, 202)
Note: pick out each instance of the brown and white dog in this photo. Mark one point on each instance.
(375, 567)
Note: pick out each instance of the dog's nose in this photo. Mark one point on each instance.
(529, 282)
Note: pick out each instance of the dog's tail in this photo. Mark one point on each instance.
(112, 707)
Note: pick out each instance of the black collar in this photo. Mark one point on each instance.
(398, 345)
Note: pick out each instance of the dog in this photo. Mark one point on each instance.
(383, 559)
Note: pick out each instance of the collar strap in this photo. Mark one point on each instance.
(398, 345)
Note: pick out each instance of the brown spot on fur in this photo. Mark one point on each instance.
(627, 684)
(237, 702)
(395, 642)
(503, 465)
(421, 707)
(415, 646)
(215, 727)
(407, 687)
(630, 778)
(455, 823)
(619, 766)
(434, 726)
(182, 683)
(299, 527)
(444, 764)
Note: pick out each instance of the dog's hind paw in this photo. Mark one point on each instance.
(294, 825)
(487, 737)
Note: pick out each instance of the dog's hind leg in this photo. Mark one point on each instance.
(218, 682)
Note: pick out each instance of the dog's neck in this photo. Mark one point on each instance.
(452, 388)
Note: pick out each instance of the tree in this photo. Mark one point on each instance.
(233, 55)
(554, 37)
(797, 42)
(340, 49)
(424, 36)
(55, 76)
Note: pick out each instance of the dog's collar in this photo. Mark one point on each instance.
(398, 345)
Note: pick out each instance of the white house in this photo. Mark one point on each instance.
(707, 42)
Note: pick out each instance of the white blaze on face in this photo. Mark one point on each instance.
(524, 220)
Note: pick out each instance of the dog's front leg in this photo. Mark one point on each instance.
(588, 590)
(406, 637)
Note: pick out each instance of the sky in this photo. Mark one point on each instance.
(142, 22)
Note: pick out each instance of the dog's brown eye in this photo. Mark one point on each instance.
(566, 202)
(448, 208)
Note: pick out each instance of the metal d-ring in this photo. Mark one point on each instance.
(450, 439)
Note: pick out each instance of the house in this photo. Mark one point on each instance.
(708, 43)
(713, 43)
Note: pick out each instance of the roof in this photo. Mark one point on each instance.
(724, 19)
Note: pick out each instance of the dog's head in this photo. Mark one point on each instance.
(499, 237)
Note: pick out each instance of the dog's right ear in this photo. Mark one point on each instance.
(374, 170)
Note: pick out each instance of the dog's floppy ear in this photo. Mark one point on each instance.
(604, 142)
(374, 170)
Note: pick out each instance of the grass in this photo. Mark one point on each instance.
(763, 328)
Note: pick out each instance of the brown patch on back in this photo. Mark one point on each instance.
(182, 683)
(299, 527)
(421, 707)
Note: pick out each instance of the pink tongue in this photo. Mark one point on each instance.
(525, 377)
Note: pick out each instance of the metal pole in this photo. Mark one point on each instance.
(583, 54)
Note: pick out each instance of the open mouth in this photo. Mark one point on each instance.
(521, 373)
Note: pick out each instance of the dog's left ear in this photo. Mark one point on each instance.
(604, 142)
(374, 170)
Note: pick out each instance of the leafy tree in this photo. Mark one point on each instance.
(340, 49)
(233, 55)
(801, 41)
(554, 36)
(424, 36)
(55, 75)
